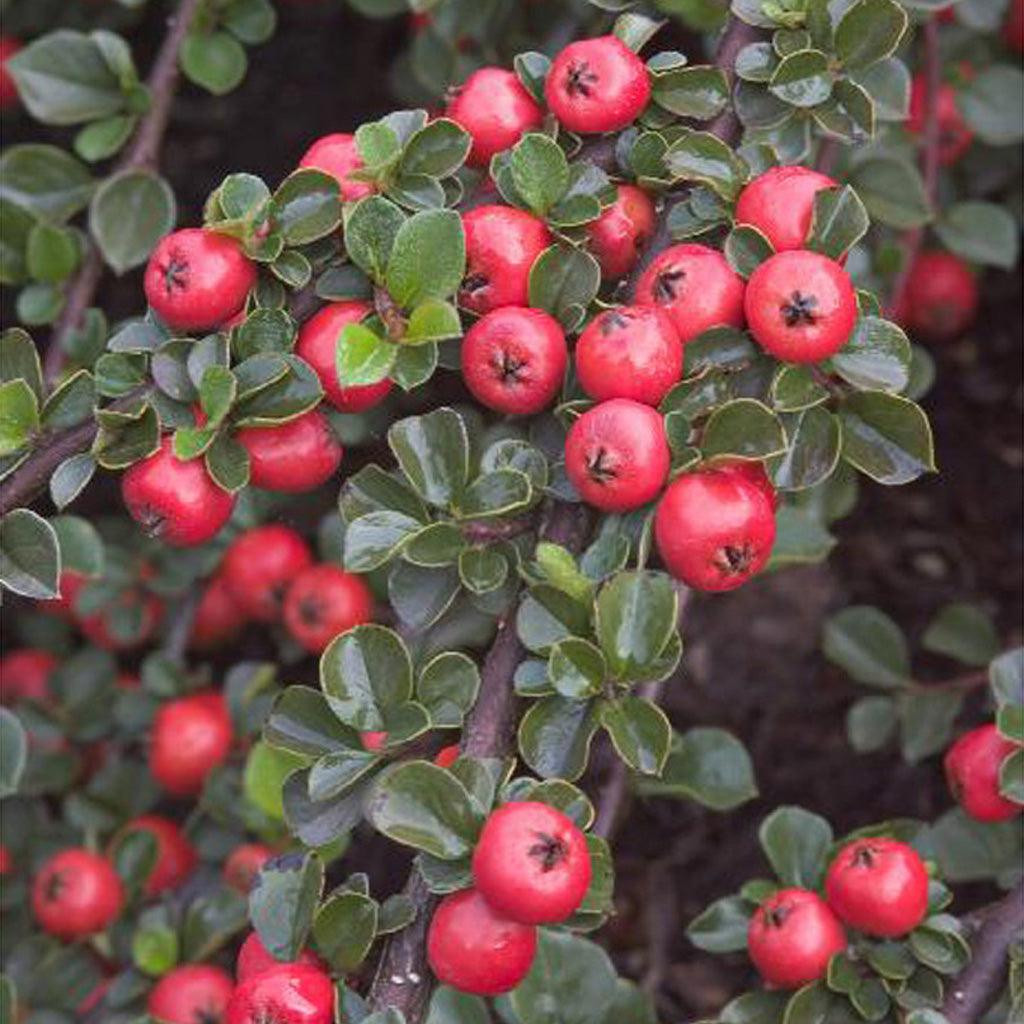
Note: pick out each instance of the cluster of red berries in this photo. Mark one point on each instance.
(531, 866)
(972, 767)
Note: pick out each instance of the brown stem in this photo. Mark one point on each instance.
(967, 682)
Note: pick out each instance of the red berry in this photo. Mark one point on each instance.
(174, 500)
(253, 958)
(318, 344)
(98, 628)
(286, 994)
(501, 246)
(176, 857)
(338, 156)
(531, 863)
(9, 46)
(972, 771)
(780, 204)
(293, 457)
(617, 236)
(63, 607)
(597, 85)
(218, 618)
(617, 456)
(323, 602)
(494, 107)
(714, 529)
(243, 865)
(629, 352)
(800, 306)
(373, 741)
(879, 887)
(447, 756)
(197, 279)
(191, 736)
(1013, 27)
(25, 675)
(941, 297)
(753, 472)
(7, 861)
(514, 359)
(191, 994)
(792, 936)
(696, 287)
(76, 893)
(955, 135)
(474, 949)
(260, 566)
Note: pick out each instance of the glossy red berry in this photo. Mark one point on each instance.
(253, 958)
(780, 204)
(941, 297)
(494, 107)
(243, 865)
(792, 936)
(175, 500)
(514, 359)
(9, 46)
(531, 863)
(261, 565)
(800, 306)
(323, 602)
(176, 856)
(338, 156)
(617, 456)
(972, 770)
(879, 887)
(285, 994)
(618, 235)
(191, 994)
(197, 279)
(293, 457)
(76, 893)
(100, 628)
(474, 949)
(373, 741)
(63, 607)
(25, 675)
(7, 860)
(318, 344)
(501, 246)
(218, 619)
(955, 135)
(597, 85)
(190, 737)
(714, 529)
(695, 285)
(629, 352)
(753, 472)
(447, 756)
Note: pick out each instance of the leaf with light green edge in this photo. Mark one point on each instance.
(866, 644)
(700, 91)
(746, 249)
(802, 79)
(992, 104)
(371, 227)
(838, 223)
(375, 538)
(81, 547)
(886, 437)
(547, 615)
(45, 181)
(217, 392)
(438, 544)
(432, 320)
(577, 669)
(216, 61)
(301, 722)
(887, 85)
(449, 1006)
(794, 388)
(363, 357)
(420, 596)
(971, 851)
(378, 147)
(857, 104)
(293, 269)
(428, 258)
(495, 494)
(415, 365)
(539, 172)
(71, 402)
(555, 736)
(635, 29)
(283, 902)
(191, 442)
(701, 157)
(129, 213)
(746, 428)
(242, 195)
(980, 232)
(482, 569)
(560, 570)
(962, 631)
(1011, 777)
(797, 844)
(564, 280)
(433, 453)
(13, 752)
(298, 391)
(19, 360)
(19, 416)
(876, 356)
(447, 687)
(893, 192)
(344, 928)
(120, 443)
(70, 478)
(307, 206)
(588, 186)
(635, 617)
(29, 555)
(438, 149)
(756, 62)
(870, 723)
(869, 31)
(1006, 677)
(51, 253)
(227, 462)
(1010, 722)
(926, 722)
(639, 731)
(722, 927)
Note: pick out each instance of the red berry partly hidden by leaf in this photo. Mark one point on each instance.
(618, 235)
(476, 950)
(792, 936)
(597, 85)
(191, 994)
(244, 864)
(7, 860)
(695, 285)
(191, 736)
(955, 135)
(25, 675)
(197, 279)
(218, 619)
(495, 108)
(9, 46)
(629, 352)
(63, 607)
(373, 741)
(972, 771)
(714, 529)
(514, 359)
(286, 994)
(879, 887)
(501, 246)
(338, 156)
(447, 756)
(175, 857)
(531, 863)
(780, 204)
(177, 501)
(103, 627)
(261, 565)
(254, 959)
(800, 306)
(617, 455)
(76, 893)
(941, 297)
(323, 602)
(292, 457)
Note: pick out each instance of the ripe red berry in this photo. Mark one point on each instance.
(253, 958)
(260, 566)
(318, 344)
(955, 135)
(292, 457)
(447, 756)
(494, 107)
(617, 456)
(218, 618)
(7, 860)
(941, 297)
(286, 994)
(800, 306)
(531, 863)
(244, 864)
(191, 736)
(9, 46)
(754, 473)
(714, 529)
(99, 628)
(597, 85)
(792, 936)
(474, 949)
(338, 156)
(695, 285)
(879, 887)
(972, 771)
(63, 607)
(623, 228)
(197, 279)
(191, 994)
(629, 352)
(501, 246)
(174, 500)
(1013, 27)
(76, 893)
(780, 204)
(373, 741)
(176, 856)
(514, 359)
(323, 602)
(25, 675)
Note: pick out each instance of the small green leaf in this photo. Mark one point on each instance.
(876, 356)
(428, 258)
(926, 722)
(722, 927)
(363, 357)
(577, 668)
(438, 149)
(129, 213)
(839, 221)
(539, 171)
(704, 158)
(19, 416)
(29, 555)
(892, 190)
(869, 646)
(564, 280)
(51, 253)
(371, 227)
(555, 736)
(962, 631)
(886, 437)
(215, 60)
(802, 79)
(433, 453)
(869, 31)
(344, 929)
(635, 619)
(796, 843)
(992, 103)
(744, 427)
(307, 206)
(746, 249)
(44, 180)
(984, 233)
(639, 731)
(870, 723)
(699, 92)
(283, 900)
(13, 752)
(432, 320)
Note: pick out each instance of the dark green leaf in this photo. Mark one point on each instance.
(364, 673)
(877, 355)
(869, 31)
(129, 213)
(886, 437)
(283, 900)
(962, 631)
(796, 843)
(428, 258)
(869, 646)
(635, 619)
(214, 60)
(722, 927)
(555, 735)
(29, 555)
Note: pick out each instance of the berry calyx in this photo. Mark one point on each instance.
(25, 675)
(292, 457)
(261, 565)
(190, 737)
(286, 994)
(972, 766)
(243, 865)
(941, 298)
(76, 893)
(955, 135)
(191, 994)
(618, 235)
(175, 858)
(780, 204)
(254, 958)
(323, 602)
(338, 156)
(218, 619)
